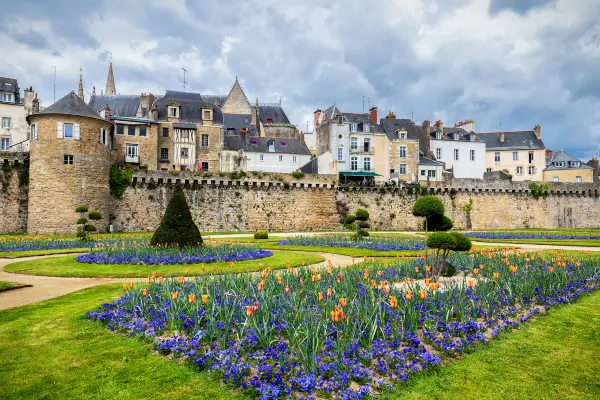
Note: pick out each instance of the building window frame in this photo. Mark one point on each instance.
(438, 153)
(531, 157)
(68, 159)
(204, 140)
(132, 151)
(531, 170)
(403, 151)
(4, 144)
(204, 166)
(294, 159)
(280, 158)
(431, 173)
(472, 155)
(515, 155)
(120, 129)
(143, 130)
(6, 122)
(438, 135)
(578, 179)
(130, 130)
(456, 155)
(354, 143)
(402, 169)
(519, 170)
(165, 132)
(261, 157)
(340, 154)
(353, 127)
(367, 163)
(353, 163)
(164, 154)
(497, 157)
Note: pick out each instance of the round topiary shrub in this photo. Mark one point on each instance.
(363, 233)
(349, 219)
(439, 223)
(261, 235)
(90, 228)
(94, 215)
(82, 221)
(441, 241)
(81, 235)
(362, 214)
(463, 243)
(428, 206)
(82, 209)
(177, 226)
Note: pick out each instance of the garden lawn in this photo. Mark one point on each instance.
(345, 251)
(67, 266)
(4, 286)
(551, 358)
(32, 253)
(549, 242)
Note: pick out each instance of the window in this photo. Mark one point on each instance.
(575, 164)
(488, 170)
(294, 159)
(164, 154)
(68, 159)
(34, 132)
(262, 157)
(206, 115)
(231, 131)
(431, 173)
(68, 130)
(353, 143)
(7, 97)
(402, 169)
(131, 152)
(366, 127)
(185, 134)
(423, 172)
(578, 179)
(121, 129)
(131, 130)
(269, 121)
(143, 129)
(367, 164)
(531, 170)
(472, 155)
(438, 135)
(340, 154)
(204, 166)
(4, 144)
(555, 179)
(402, 151)
(173, 112)
(271, 145)
(438, 154)
(497, 157)
(165, 132)
(519, 170)
(353, 127)
(185, 152)
(402, 134)
(455, 154)
(103, 136)
(280, 158)
(472, 137)
(456, 135)
(353, 163)
(559, 164)
(531, 157)
(366, 145)
(6, 123)
(204, 140)
(515, 156)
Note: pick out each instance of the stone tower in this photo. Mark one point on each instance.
(110, 82)
(80, 90)
(237, 102)
(70, 160)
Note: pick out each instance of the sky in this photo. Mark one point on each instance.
(506, 64)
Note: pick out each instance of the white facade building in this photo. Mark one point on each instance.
(14, 129)
(459, 150)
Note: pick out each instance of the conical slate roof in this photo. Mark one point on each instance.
(71, 104)
(110, 82)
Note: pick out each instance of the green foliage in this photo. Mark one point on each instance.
(539, 189)
(449, 270)
(468, 207)
(349, 219)
(362, 215)
(86, 227)
(90, 228)
(441, 240)
(363, 224)
(177, 226)
(439, 223)
(23, 175)
(81, 235)
(82, 209)
(82, 221)
(6, 167)
(261, 235)
(173, 172)
(358, 222)
(94, 215)
(298, 174)
(238, 175)
(428, 206)
(119, 180)
(463, 243)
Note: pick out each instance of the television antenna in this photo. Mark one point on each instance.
(184, 82)
(54, 84)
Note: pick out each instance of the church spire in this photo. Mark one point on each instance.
(80, 91)
(110, 81)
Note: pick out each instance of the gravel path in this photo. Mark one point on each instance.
(47, 287)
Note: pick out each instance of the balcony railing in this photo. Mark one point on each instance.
(132, 159)
(361, 150)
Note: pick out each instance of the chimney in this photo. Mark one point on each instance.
(317, 116)
(537, 129)
(501, 137)
(28, 100)
(106, 111)
(373, 111)
(439, 126)
(35, 105)
(595, 164)
(425, 139)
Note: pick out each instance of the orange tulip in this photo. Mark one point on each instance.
(496, 275)
(131, 285)
(427, 281)
(249, 311)
(124, 287)
(373, 283)
(279, 281)
(145, 292)
(287, 289)
(409, 294)
(471, 283)
(475, 271)
(329, 292)
(204, 299)
(550, 269)
(192, 298)
(393, 302)
(366, 275)
(423, 294)
(181, 279)
(320, 296)
(343, 302)
(173, 295)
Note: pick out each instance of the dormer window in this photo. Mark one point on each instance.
(353, 127)
(456, 135)
(559, 164)
(472, 137)
(271, 146)
(173, 110)
(207, 114)
(438, 135)
(7, 97)
(402, 134)
(340, 119)
(366, 127)
(269, 121)
(575, 164)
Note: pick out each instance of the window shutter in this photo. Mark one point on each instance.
(102, 135)
(76, 131)
(59, 130)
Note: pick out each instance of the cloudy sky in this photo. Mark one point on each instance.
(508, 63)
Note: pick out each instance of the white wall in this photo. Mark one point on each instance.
(271, 162)
(464, 167)
(311, 141)
(19, 127)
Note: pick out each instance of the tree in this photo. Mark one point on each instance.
(439, 223)
(177, 226)
(443, 243)
(86, 227)
(428, 207)
(358, 222)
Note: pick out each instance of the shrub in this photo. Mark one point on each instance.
(349, 219)
(86, 227)
(261, 235)
(82, 209)
(463, 243)
(94, 215)
(298, 174)
(428, 206)
(119, 180)
(449, 270)
(362, 215)
(358, 222)
(363, 224)
(177, 226)
(439, 223)
(539, 190)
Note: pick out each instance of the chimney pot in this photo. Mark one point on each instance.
(373, 111)
(501, 137)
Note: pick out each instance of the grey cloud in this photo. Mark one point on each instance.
(518, 6)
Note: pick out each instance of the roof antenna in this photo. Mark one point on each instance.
(369, 102)
(184, 82)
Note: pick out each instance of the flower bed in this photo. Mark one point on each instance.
(552, 236)
(373, 243)
(347, 332)
(140, 253)
(41, 242)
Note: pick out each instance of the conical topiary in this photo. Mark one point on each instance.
(177, 226)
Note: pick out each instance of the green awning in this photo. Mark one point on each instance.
(359, 174)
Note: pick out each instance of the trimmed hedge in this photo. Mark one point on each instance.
(428, 206)
(261, 235)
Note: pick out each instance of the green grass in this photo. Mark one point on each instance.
(32, 253)
(50, 351)
(4, 286)
(67, 266)
(549, 242)
(345, 251)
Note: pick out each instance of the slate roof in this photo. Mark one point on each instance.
(191, 105)
(245, 142)
(513, 140)
(329, 112)
(448, 134)
(275, 113)
(9, 85)
(216, 99)
(120, 105)
(428, 161)
(561, 156)
(391, 125)
(71, 104)
(361, 119)
(237, 121)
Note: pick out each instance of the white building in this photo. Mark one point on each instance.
(14, 131)
(264, 154)
(459, 150)
(430, 170)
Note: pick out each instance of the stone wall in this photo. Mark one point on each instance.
(221, 204)
(13, 192)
